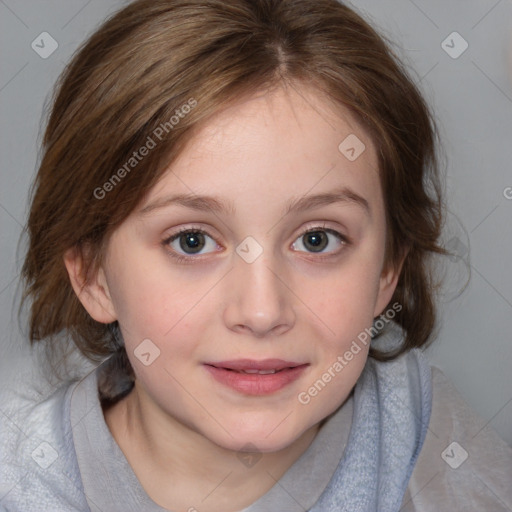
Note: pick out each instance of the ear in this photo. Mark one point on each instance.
(92, 291)
(387, 284)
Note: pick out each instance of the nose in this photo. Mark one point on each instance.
(260, 300)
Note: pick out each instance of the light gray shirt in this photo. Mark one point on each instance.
(109, 479)
(463, 464)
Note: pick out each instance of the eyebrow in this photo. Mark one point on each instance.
(214, 204)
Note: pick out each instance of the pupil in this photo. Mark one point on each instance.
(316, 241)
(192, 242)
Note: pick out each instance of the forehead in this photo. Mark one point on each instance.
(274, 146)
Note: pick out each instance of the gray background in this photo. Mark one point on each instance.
(472, 97)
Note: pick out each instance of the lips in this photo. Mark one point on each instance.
(253, 377)
(263, 367)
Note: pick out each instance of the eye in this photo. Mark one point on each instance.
(316, 240)
(189, 242)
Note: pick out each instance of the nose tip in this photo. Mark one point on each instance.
(261, 328)
(259, 303)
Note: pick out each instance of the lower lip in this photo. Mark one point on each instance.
(255, 383)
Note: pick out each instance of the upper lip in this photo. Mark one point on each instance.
(252, 364)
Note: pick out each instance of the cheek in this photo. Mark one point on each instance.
(174, 321)
(347, 298)
(148, 302)
(332, 383)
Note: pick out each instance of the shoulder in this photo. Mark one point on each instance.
(463, 464)
(38, 466)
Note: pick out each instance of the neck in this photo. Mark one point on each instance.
(161, 449)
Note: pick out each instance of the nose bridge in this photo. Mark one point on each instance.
(259, 301)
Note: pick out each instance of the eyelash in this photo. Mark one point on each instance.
(179, 258)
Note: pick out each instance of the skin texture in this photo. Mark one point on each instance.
(178, 424)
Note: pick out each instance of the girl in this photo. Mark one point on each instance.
(236, 204)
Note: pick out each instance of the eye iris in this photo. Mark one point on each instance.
(192, 242)
(315, 241)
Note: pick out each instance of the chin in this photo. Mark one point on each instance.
(252, 444)
(270, 436)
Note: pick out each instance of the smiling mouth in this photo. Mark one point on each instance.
(252, 377)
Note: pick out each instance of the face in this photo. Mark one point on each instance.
(250, 269)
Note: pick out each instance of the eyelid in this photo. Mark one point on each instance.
(189, 228)
(336, 230)
(323, 226)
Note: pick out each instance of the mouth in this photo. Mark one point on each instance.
(253, 377)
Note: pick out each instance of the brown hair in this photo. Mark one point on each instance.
(155, 56)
